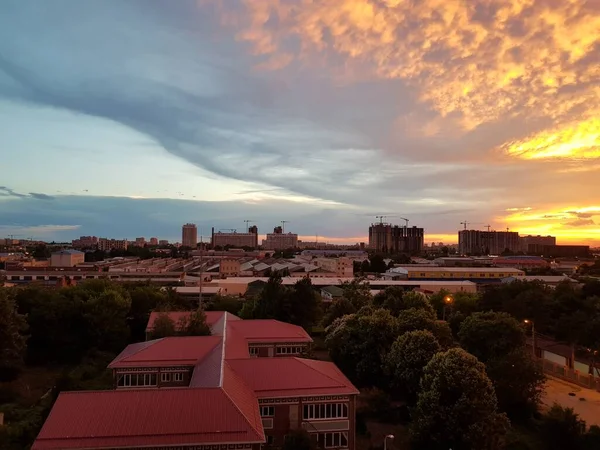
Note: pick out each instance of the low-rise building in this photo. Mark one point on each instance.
(106, 245)
(242, 388)
(476, 274)
(66, 258)
(342, 267)
(229, 267)
(521, 262)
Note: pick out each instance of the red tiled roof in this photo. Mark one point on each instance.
(212, 317)
(242, 397)
(268, 330)
(183, 350)
(288, 377)
(138, 418)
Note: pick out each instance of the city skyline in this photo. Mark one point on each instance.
(131, 119)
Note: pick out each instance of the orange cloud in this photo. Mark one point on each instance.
(483, 60)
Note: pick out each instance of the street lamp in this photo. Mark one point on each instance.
(527, 321)
(385, 439)
(448, 300)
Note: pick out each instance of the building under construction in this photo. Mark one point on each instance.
(234, 239)
(388, 238)
(477, 242)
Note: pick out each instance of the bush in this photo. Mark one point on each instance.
(7, 395)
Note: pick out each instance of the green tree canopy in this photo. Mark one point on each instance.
(194, 324)
(358, 344)
(13, 327)
(489, 335)
(405, 361)
(357, 292)
(338, 308)
(163, 327)
(457, 406)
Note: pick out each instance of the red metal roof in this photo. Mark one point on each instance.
(138, 418)
(268, 330)
(212, 317)
(183, 350)
(289, 377)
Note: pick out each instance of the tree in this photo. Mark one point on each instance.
(12, 337)
(230, 303)
(498, 340)
(377, 264)
(358, 344)
(457, 406)
(106, 315)
(163, 327)
(304, 304)
(338, 308)
(298, 440)
(415, 319)
(404, 364)
(358, 292)
(489, 335)
(562, 429)
(194, 324)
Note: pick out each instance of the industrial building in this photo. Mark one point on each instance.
(526, 241)
(235, 239)
(434, 273)
(66, 258)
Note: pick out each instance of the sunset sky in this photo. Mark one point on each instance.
(130, 118)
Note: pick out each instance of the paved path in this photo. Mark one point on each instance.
(557, 391)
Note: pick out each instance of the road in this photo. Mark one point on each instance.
(558, 391)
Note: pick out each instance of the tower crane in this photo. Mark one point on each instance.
(247, 222)
(465, 223)
(283, 222)
(380, 218)
(406, 220)
(488, 227)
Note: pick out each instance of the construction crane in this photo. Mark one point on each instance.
(465, 223)
(283, 222)
(380, 218)
(406, 220)
(247, 222)
(488, 227)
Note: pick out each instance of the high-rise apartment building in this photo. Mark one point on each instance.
(235, 239)
(105, 244)
(189, 235)
(85, 242)
(153, 241)
(278, 240)
(387, 238)
(477, 242)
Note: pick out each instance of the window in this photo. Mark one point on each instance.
(332, 440)
(253, 351)
(267, 411)
(178, 376)
(325, 411)
(289, 350)
(136, 379)
(165, 377)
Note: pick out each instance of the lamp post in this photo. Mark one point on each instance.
(527, 321)
(448, 300)
(385, 439)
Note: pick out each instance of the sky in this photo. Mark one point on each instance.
(126, 119)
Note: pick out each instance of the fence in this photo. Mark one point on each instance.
(574, 376)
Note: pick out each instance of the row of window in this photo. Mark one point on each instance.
(147, 379)
(325, 411)
(331, 440)
(471, 275)
(136, 379)
(267, 411)
(289, 350)
(167, 377)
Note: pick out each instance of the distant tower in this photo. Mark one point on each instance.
(189, 235)
(254, 230)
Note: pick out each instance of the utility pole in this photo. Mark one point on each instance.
(201, 274)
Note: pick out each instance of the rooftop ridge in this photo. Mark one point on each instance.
(303, 361)
(143, 346)
(224, 342)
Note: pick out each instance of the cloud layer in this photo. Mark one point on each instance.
(354, 106)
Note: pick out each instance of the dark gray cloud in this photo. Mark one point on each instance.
(41, 196)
